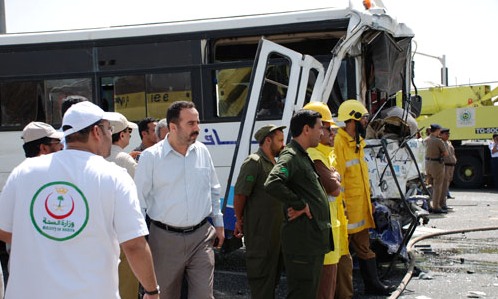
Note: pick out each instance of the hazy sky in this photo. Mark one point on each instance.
(464, 31)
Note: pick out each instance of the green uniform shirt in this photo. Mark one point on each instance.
(263, 215)
(295, 182)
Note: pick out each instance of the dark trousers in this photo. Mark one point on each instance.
(263, 272)
(494, 168)
(303, 275)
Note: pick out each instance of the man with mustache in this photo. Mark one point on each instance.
(179, 189)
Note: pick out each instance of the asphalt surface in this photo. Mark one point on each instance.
(450, 266)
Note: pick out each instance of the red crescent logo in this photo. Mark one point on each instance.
(58, 217)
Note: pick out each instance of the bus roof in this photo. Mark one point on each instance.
(177, 27)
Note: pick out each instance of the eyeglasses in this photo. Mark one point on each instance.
(110, 128)
(329, 129)
(53, 142)
(129, 130)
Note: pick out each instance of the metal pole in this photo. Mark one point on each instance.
(444, 69)
(3, 27)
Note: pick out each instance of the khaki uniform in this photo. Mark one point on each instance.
(434, 167)
(305, 241)
(449, 169)
(263, 216)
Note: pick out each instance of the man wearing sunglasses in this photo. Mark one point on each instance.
(40, 139)
(67, 213)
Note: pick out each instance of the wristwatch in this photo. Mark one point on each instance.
(154, 292)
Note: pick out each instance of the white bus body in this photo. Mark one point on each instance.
(222, 50)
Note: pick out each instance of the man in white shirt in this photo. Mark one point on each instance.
(121, 134)
(120, 139)
(67, 213)
(161, 129)
(178, 187)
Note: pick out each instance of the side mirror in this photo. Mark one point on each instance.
(416, 105)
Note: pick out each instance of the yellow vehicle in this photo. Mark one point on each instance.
(472, 117)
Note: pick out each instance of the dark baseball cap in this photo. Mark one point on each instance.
(435, 127)
(265, 130)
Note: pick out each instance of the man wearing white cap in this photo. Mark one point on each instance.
(121, 136)
(128, 284)
(40, 139)
(67, 213)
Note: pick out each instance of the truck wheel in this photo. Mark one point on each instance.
(468, 173)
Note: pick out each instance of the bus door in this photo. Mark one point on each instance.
(296, 78)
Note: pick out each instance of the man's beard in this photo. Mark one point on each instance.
(362, 131)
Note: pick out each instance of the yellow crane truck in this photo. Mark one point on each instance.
(471, 114)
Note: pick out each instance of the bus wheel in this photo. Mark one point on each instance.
(468, 173)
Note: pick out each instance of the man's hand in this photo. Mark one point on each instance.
(293, 214)
(336, 176)
(134, 154)
(220, 236)
(238, 232)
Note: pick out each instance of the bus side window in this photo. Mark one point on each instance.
(231, 90)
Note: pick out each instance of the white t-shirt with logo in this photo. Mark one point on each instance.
(67, 213)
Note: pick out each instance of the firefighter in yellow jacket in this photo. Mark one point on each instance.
(323, 158)
(351, 165)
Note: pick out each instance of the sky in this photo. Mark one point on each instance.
(461, 30)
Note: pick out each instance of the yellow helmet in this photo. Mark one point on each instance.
(324, 110)
(351, 109)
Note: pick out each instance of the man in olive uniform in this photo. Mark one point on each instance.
(306, 232)
(434, 168)
(259, 215)
(449, 166)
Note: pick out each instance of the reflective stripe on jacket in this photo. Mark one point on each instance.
(353, 169)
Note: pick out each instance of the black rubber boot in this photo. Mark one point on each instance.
(373, 285)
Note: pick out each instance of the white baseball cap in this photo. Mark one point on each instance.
(37, 130)
(84, 114)
(123, 124)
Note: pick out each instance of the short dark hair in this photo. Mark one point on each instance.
(143, 125)
(32, 148)
(173, 113)
(82, 135)
(70, 101)
(495, 135)
(116, 136)
(300, 119)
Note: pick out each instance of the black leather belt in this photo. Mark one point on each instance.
(450, 164)
(433, 159)
(181, 230)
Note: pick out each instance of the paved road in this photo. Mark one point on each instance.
(459, 266)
